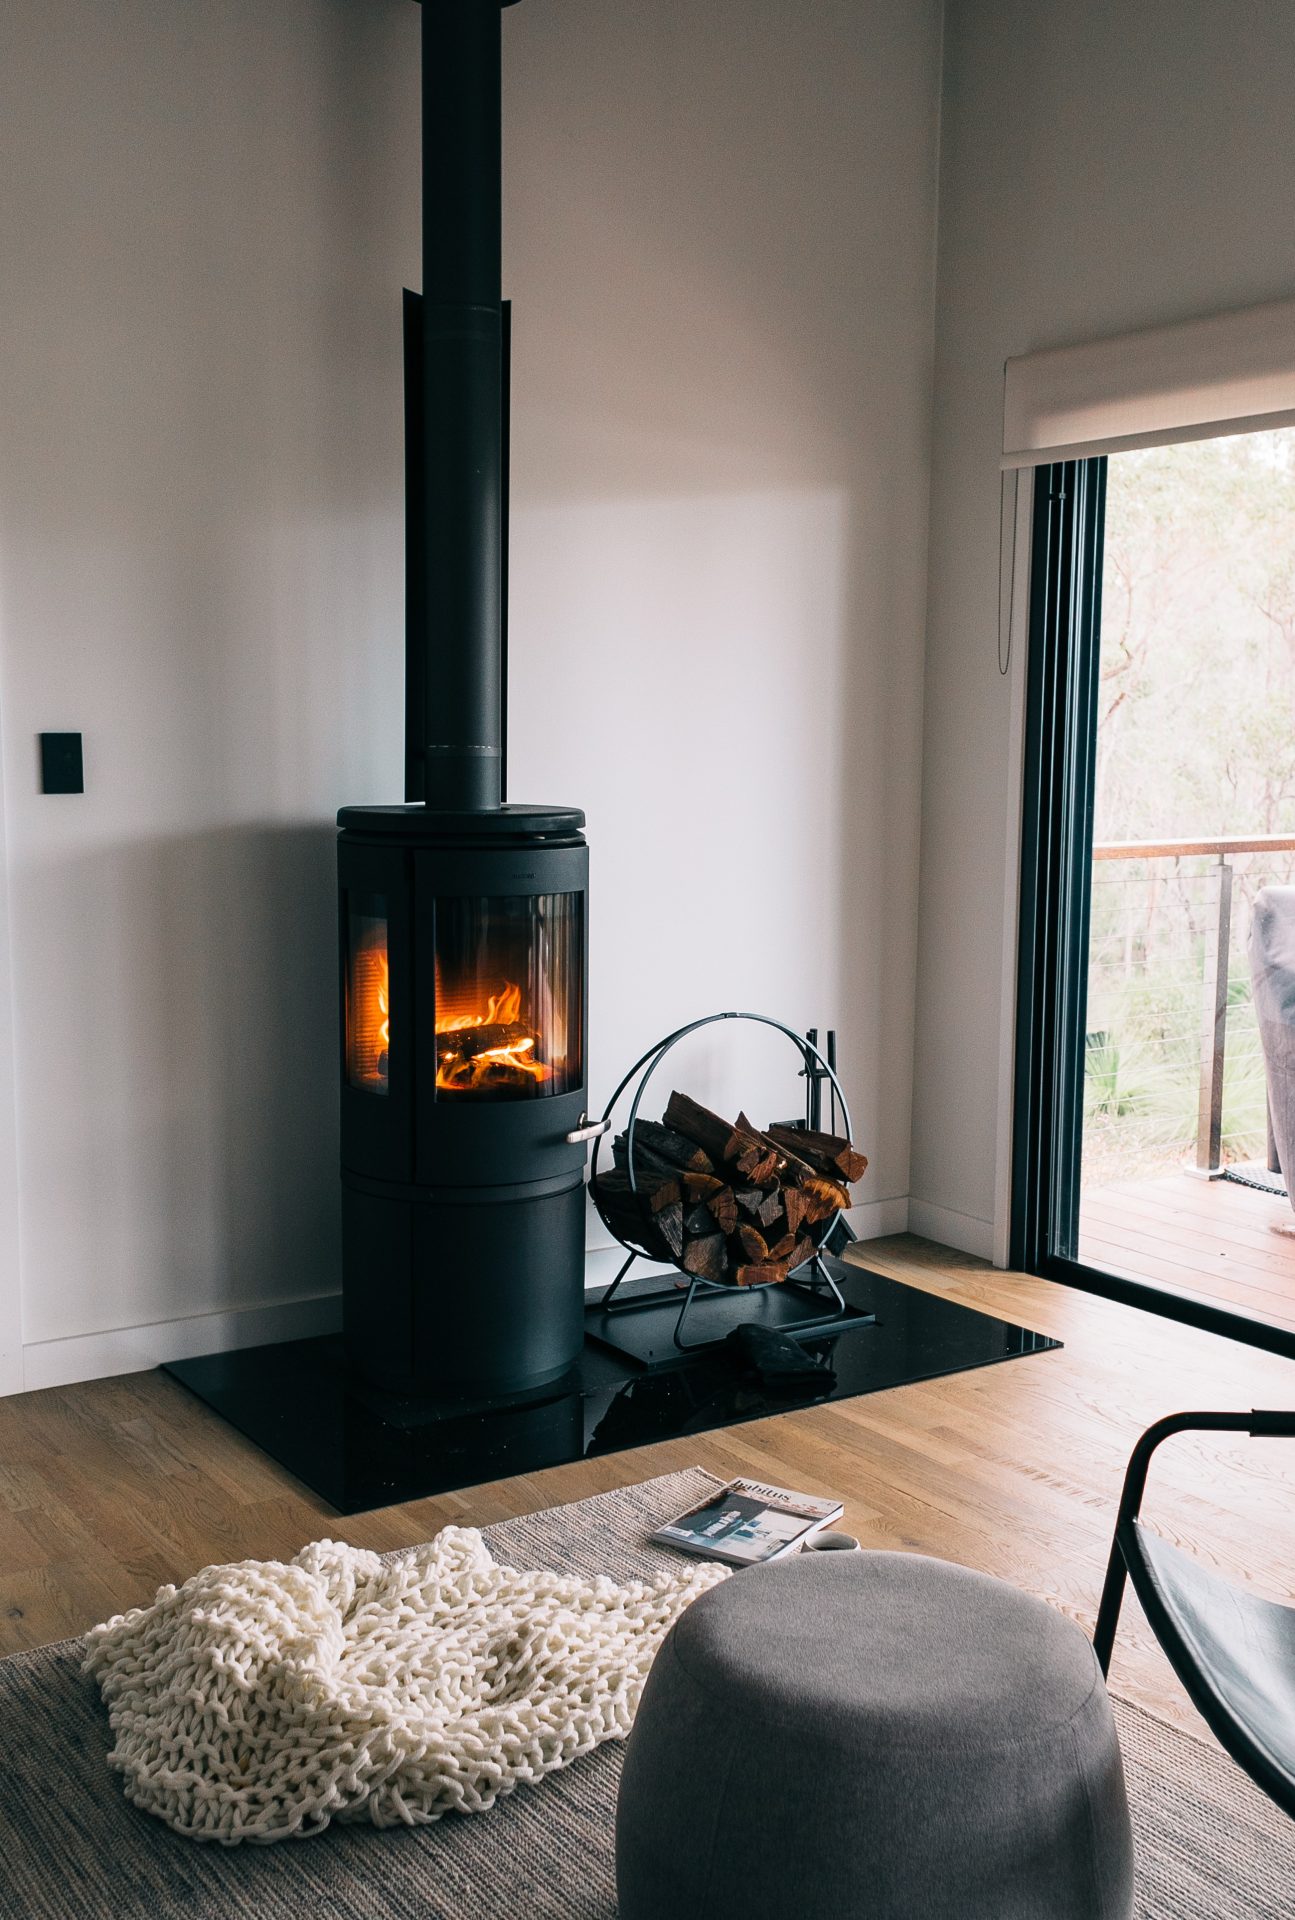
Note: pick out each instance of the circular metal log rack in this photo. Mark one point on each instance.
(697, 1288)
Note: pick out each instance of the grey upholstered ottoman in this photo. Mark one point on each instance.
(875, 1735)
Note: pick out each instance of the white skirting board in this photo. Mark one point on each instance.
(960, 1230)
(95, 1356)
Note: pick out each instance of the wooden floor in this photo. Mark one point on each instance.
(1212, 1238)
(109, 1489)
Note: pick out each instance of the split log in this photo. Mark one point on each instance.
(665, 1193)
(611, 1188)
(649, 1167)
(796, 1206)
(654, 1193)
(828, 1153)
(700, 1186)
(723, 1209)
(752, 1227)
(755, 1248)
(699, 1124)
(792, 1168)
(669, 1224)
(672, 1147)
(768, 1275)
(707, 1257)
(741, 1146)
(631, 1220)
(825, 1197)
(760, 1165)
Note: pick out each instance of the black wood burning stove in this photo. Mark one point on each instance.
(463, 919)
(463, 1056)
(463, 1095)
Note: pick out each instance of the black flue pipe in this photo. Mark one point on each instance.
(463, 532)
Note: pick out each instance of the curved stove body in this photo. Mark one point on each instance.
(464, 956)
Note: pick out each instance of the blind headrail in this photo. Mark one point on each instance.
(1168, 849)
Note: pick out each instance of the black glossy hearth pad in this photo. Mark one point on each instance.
(296, 1401)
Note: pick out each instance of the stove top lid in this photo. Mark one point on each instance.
(416, 822)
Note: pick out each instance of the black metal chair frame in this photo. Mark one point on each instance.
(1127, 1562)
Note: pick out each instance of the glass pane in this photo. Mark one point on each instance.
(509, 996)
(1194, 843)
(368, 994)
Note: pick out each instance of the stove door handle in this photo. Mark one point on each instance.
(587, 1130)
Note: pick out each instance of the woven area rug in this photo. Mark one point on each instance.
(1210, 1846)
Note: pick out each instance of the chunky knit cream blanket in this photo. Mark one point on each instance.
(260, 1701)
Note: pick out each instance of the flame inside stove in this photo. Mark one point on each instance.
(489, 1050)
(369, 1022)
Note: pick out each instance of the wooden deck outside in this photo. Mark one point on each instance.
(1214, 1238)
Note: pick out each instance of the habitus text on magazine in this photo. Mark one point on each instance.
(747, 1523)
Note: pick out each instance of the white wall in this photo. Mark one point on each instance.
(1103, 167)
(720, 242)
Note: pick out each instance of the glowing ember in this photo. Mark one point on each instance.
(488, 1050)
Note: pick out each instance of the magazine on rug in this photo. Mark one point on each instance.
(747, 1523)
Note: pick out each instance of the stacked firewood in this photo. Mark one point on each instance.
(725, 1201)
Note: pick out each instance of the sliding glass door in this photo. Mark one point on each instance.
(1156, 1003)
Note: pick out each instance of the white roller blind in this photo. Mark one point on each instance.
(1233, 373)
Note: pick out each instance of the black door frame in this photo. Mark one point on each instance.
(1056, 868)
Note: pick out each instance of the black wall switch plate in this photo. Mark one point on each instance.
(61, 769)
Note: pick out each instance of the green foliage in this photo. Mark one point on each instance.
(1196, 738)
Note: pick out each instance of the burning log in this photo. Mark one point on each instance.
(725, 1201)
(478, 1054)
(467, 1043)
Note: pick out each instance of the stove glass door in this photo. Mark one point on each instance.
(368, 994)
(509, 996)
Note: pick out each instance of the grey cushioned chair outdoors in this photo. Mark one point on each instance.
(1234, 1652)
(878, 1735)
(1272, 974)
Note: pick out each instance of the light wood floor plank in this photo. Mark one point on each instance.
(111, 1488)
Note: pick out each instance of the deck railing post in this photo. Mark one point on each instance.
(1214, 1024)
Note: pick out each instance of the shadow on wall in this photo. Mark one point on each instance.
(184, 1155)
